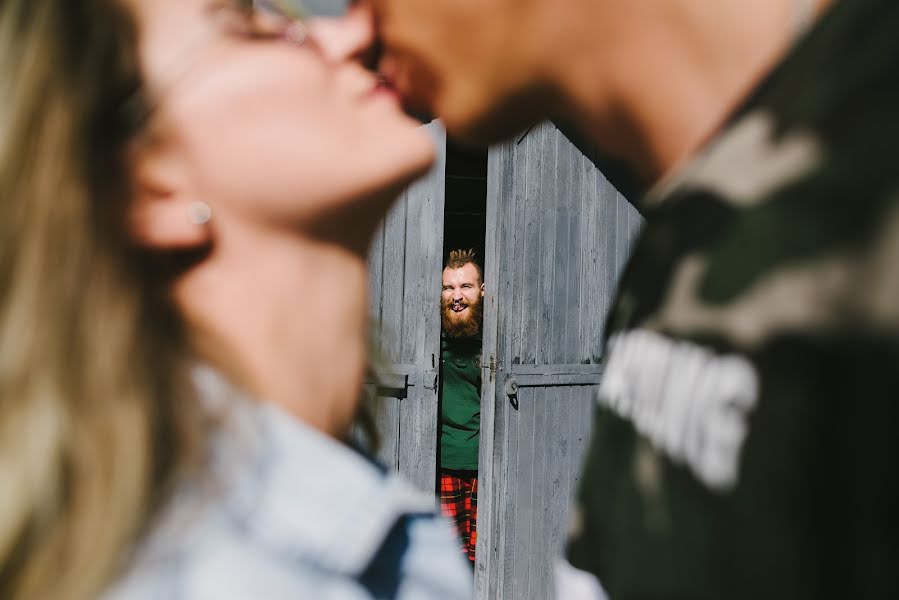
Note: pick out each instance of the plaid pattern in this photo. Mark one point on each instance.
(459, 501)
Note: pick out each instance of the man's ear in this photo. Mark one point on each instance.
(162, 214)
(482, 290)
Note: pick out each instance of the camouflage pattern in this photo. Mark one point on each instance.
(746, 443)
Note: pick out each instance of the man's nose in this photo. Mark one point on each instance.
(349, 37)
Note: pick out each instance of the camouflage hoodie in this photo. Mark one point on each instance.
(746, 442)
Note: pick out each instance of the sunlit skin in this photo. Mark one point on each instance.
(298, 153)
(647, 80)
(462, 287)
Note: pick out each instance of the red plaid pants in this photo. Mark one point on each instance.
(459, 501)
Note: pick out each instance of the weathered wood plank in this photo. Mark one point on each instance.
(542, 476)
(404, 277)
(558, 458)
(524, 506)
(375, 281)
(562, 194)
(421, 329)
(606, 270)
(559, 238)
(567, 350)
(387, 420)
(555, 369)
(532, 274)
(549, 277)
(489, 568)
(392, 292)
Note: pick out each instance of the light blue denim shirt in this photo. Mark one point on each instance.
(291, 513)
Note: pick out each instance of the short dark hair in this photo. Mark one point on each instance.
(459, 258)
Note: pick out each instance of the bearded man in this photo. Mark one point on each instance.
(460, 417)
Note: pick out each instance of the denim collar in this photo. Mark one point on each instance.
(299, 491)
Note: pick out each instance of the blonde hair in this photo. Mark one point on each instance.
(95, 409)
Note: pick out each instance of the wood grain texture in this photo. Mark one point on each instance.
(404, 285)
(558, 236)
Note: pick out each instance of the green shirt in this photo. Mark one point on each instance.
(460, 417)
(746, 443)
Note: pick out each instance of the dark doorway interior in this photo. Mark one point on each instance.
(465, 223)
(465, 226)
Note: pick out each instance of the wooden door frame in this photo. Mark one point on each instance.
(490, 458)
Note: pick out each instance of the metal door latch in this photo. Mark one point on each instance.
(511, 389)
(427, 377)
(492, 366)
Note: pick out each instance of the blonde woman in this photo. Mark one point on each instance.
(187, 192)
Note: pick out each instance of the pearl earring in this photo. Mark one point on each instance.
(199, 213)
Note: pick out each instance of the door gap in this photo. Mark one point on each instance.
(465, 220)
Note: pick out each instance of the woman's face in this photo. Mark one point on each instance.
(265, 128)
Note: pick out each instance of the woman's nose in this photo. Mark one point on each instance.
(349, 37)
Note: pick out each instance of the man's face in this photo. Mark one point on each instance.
(461, 312)
(459, 60)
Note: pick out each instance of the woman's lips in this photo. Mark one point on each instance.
(383, 89)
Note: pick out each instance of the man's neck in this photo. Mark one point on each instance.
(688, 67)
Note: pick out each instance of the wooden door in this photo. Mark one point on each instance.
(405, 267)
(558, 235)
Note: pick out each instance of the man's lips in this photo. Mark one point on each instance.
(399, 76)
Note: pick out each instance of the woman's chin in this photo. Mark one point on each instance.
(412, 157)
(423, 151)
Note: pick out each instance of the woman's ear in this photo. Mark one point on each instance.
(165, 213)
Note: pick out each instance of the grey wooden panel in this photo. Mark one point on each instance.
(559, 235)
(404, 286)
(392, 283)
(537, 577)
(570, 235)
(491, 470)
(520, 527)
(375, 279)
(421, 341)
(387, 419)
(609, 263)
(571, 197)
(531, 278)
(389, 316)
(548, 445)
(547, 285)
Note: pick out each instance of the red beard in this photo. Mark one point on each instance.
(455, 326)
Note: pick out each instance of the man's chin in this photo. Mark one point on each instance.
(486, 116)
(477, 130)
(460, 327)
